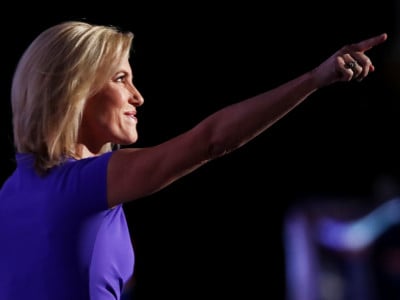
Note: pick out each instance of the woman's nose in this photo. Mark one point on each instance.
(136, 98)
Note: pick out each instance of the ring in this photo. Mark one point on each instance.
(350, 65)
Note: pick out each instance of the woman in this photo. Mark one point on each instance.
(73, 100)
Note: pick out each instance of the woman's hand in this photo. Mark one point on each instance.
(348, 63)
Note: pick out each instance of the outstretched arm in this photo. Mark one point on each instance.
(135, 173)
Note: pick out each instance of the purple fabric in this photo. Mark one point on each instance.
(58, 239)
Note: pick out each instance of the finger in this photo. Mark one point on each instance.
(369, 43)
(355, 68)
(344, 72)
(350, 62)
(364, 62)
(351, 69)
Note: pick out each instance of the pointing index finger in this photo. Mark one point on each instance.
(369, 43)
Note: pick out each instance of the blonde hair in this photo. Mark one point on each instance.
(58, 72)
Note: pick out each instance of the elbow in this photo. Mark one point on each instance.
(219, 147)
(215, 142)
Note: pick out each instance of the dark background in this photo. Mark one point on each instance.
(218, 231)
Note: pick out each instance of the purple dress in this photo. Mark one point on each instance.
(58, 238)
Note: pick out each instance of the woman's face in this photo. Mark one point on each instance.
(110, 115)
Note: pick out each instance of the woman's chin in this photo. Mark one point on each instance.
(127, 141)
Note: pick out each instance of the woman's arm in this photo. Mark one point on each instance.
(135, 173)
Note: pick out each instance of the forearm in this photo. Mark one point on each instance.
(235, 125)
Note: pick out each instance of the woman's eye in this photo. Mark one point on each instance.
(120, 78)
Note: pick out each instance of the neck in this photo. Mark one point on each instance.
(83, 151)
